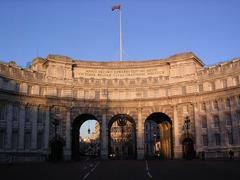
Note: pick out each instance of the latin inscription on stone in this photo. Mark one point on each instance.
(120, 73)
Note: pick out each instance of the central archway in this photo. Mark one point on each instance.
(122, 137)
(77, 123)
(158, 136)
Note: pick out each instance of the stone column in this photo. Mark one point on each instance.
(67, 153)
(222, 129)
(140, 135)
(210, 125)
(46, 128)
(9, 115)
(34, 116)
(235, 129)
(21, 126)
(177, 145)
(198, 128)
(104, 134)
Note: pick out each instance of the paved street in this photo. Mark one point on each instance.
(126, 169)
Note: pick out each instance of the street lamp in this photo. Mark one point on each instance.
(55, 124)
(186, 126)
(188, 149)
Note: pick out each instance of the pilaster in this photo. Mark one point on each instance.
(9, 115)
(104, 133)
(46, 128)
(21, 126)
(177, 146)
(140, 135)
(34, 116)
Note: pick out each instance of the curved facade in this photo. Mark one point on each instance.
(165, 90)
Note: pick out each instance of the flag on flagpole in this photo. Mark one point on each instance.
(117, 6)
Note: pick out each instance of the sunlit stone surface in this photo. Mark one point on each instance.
(50, 100)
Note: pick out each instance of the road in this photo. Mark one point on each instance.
(94, 169)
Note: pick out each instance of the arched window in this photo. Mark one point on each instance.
(203, 106)
(215, 104)
(216, 121)
(228, 102)
(228, 119)
(204, 122)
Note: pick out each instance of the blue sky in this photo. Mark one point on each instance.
(89, 30)
(90, 124)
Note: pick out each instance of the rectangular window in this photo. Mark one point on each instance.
(27, 140)
(15, 139)
(212, 86)
(97, 95)
(184, 90)
(203, 107)
(224, 83)
(215, 104)
(27, 114)
(15, 112)
(200, 87)
(58, 92)
(168, 92)
(217, 139)
(205, 140)
(41, 91)
(29, 89)
(230, 138)
(41, 116)
(228, 103)
(228, 119)
(2, 139)
(75, 94)
(17, 87)
(145, 93)
(2, 111)
(39, 140)
(204, 122)
(216, 121)
(236, 80)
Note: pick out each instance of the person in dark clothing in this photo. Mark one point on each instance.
(231, 154)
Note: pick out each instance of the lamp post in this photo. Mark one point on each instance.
(55, 124)
(122, 121)
(188, 144)
(154, 142)
(186, 126)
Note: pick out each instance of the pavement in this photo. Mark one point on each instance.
(94, 169)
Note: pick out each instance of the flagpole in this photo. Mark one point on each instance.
(120, 31)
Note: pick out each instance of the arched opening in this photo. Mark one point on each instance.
(188, 148)
(158, 136)
(78, 141)
(56, 149)
(89, 139)
(122, 137)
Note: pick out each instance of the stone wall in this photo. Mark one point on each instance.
(64, 88)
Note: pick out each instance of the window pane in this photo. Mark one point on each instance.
(217, 139)
(205, 140)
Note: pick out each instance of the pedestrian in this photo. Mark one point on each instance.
(203, 155)
(10, 160)
(231, 155)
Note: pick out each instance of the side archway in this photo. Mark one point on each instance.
(158, 136)
(75, 133)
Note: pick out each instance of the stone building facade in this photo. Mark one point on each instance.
(73, 91)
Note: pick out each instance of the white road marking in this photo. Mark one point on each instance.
(147, 170)
(85, 177)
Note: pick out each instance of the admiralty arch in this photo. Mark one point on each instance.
(196, 108)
